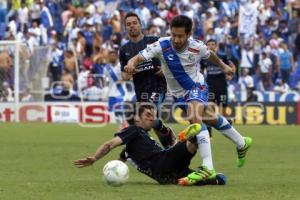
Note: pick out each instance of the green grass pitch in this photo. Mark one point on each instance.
(36, 163)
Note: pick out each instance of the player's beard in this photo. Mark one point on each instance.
(134, 33)
(179, 46)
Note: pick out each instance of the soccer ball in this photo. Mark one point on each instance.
(115, 173)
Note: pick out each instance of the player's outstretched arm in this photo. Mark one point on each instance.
(101, 152)
(132, 63)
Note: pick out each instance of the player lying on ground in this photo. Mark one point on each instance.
(164, 166)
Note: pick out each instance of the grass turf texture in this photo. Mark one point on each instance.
(36, 163)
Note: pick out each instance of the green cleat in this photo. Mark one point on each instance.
(243, 151)
(190, 132)
(201, 174)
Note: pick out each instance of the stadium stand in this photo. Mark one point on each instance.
(81, 33)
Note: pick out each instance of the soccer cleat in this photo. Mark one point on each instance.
(201, 174)
(190, 132)
(243, 151)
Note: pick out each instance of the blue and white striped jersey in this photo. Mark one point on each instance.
(181, 69)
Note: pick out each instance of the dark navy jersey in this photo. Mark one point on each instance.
(140, 147)
(163, 165)
(215, 75)
(145, 80)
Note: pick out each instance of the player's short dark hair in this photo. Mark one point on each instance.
(211, 40)
(133, 109)
(141, 107)
(132, 14)
(182, 21)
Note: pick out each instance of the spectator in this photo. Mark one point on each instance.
(144, 13)
(90, 8)
(83, 77)
(99, 60)
(92, 92)
(221, 31)
(293, 23)
(89, 37)
(70, 62)
(283, 30)
(23, 17)
(116, 22)
(35, 11)
(6, 63)
(80, 45)
(281, 86)
(187, 11)
(46, 22)
(227, 8)
(67, 81)
(208, 22)
(195, 6)
(100, 31)
(36, 31)
(158, 22)
(247, 58)
(56, 63)
(265, 66)
(71, 31)
(173, 12)
(6, 93)
(107, 29)
(162, 9)
(153, 30)
(246, 85)
(285, 62)
(67, 14)
(12, 26)
(264, 14)
(212, 10)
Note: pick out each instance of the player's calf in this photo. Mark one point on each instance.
(165, 134)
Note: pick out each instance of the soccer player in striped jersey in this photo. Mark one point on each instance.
(179, 56)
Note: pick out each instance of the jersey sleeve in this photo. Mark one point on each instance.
(128, 134)
(204, 51)
(152, 51)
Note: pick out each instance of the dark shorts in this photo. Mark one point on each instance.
(218, 95)
(171, 164)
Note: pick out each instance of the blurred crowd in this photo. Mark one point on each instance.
(85, 36)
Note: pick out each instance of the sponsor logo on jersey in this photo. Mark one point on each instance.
(170, 57)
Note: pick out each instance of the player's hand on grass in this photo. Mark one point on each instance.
(88, 161)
